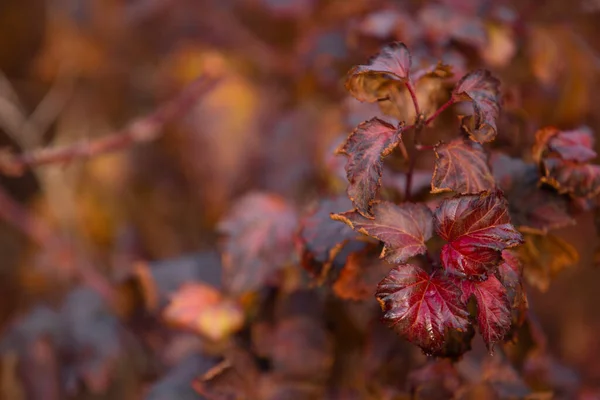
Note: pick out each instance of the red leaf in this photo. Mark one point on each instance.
(372, 82)
(461, 167)
(493, 308)
(580, 180)
(532, 208)
(260, 233)
(482, 89)
(403, 228)
(575, 145)
(421, 307)
(477, 228)
(366, 146)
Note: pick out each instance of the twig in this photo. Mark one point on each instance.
(144, 129)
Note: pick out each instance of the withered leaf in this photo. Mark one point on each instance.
(577, 179)
(461, 167)
(532, 208)
(477, 229)
(403, 228)
(482, 89)
(493, 308)
(421, 307)
(545, 256)
(260, 233)
(365, 147)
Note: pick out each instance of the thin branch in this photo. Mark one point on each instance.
(440, 110)
(143, 129)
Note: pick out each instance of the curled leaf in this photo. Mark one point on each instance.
(365, 147)
(482, 89)
(574, 145)
(578, 179)
(461, 167)
(403, 228)
(421, 307)
(390, 67)
(477, 229)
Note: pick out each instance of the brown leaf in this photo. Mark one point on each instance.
(461, 166)
(403, 228)
(545, 256)
(365, 147)
(260, 233)
(389, 68)
(482, 89)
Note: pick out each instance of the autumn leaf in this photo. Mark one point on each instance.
(574, 145)
(577, 179)
(403, 228)
(477, 229)
(384, 80)
(202, 309)
(365, 147)
(532, 208)
(388, 68)
(421, 307)
(461, 166)
(545, 256)
(482, 89)
(321, 237)
(260, 233)
(493, 308)
(359, 278)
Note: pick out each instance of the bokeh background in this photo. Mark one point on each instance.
(73, 70)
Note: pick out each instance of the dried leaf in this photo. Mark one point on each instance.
(365, 147)
(421, 307)
(477, 229)
(260, 233)
(482, 89)
(403, 228)
(461, 166)
(545, 256)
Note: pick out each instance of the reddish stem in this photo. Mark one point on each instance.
(409, 176)
(440, 110)
(141, 130)
(413, 95)
(421, 147)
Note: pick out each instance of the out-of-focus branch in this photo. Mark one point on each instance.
(144, 129)
(61, 254)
